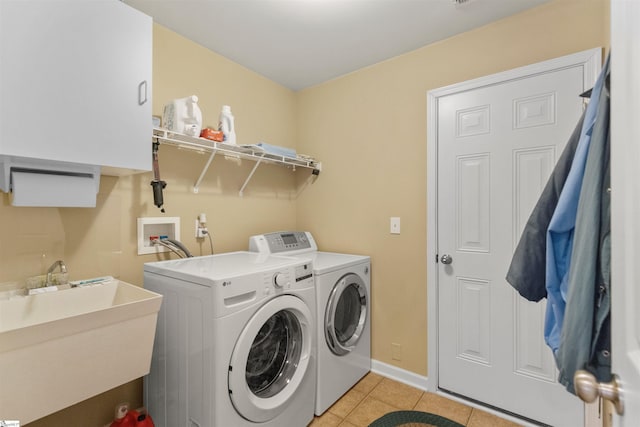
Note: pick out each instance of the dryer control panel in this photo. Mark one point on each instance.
(283, 241)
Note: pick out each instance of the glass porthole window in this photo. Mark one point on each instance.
(274, 355)
(271, 358)
(346, 314)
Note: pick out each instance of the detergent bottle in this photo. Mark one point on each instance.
(227, 126)
(183, 116)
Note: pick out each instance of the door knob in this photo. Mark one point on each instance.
(588, 389)
(446, 259)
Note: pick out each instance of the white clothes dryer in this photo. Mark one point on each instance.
(235, 342)
(343, 298)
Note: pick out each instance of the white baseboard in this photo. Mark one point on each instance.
(399, 374)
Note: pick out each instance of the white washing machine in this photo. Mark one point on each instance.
(235, 342)
(343, 292)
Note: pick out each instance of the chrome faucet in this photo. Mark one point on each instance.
(63, 269)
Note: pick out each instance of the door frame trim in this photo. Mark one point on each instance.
(590, 60)
(625, 270)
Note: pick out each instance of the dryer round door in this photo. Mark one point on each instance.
(346, 314)
(271, 358)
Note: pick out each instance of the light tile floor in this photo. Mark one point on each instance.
(376, 395)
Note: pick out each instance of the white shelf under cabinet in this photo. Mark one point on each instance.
(245, 152)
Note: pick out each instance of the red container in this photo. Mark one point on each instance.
(214, 135)
(144, 420)
(129, 420)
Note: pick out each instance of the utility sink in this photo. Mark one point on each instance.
(60, 348)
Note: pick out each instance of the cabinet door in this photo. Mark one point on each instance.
(75, 82)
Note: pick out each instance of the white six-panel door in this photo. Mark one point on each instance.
(497, 140)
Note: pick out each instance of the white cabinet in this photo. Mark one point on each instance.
(75, 83)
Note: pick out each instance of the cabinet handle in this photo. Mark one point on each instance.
(142, 92)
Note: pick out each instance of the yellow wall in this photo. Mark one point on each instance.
(368, 128)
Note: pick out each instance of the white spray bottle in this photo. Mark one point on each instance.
(227, 126)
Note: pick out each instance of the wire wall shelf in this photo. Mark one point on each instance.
(245, 152)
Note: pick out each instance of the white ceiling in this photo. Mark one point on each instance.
(301, 43)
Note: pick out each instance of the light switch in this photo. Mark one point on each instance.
(395, 225)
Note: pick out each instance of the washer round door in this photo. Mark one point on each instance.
(270, 358)
(346, 314)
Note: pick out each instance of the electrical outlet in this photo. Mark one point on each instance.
(201, 230)
(155, 227)
(394, 225)
(201, 226)
(396, 352)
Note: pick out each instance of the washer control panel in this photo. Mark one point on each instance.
(300, 276)
(283, 241)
